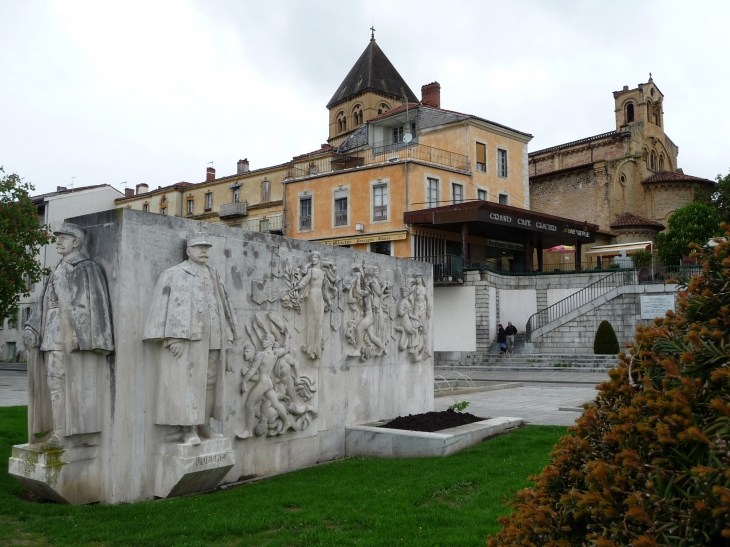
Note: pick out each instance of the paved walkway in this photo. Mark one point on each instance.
(538, 401)
(13, 388)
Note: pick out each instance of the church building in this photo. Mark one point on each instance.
(627, 180)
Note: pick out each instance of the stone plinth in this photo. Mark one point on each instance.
(65, 475)
(184, 469)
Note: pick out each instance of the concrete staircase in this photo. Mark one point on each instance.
(522, 346)
(534, 362)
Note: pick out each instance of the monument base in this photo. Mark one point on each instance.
(61, 474)
(184, 469)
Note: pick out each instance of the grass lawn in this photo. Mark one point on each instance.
(431, 502)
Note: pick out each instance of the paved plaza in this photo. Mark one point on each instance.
(537, 401)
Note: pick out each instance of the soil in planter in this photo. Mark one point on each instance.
(433, 421)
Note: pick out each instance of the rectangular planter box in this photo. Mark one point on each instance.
(379, 442)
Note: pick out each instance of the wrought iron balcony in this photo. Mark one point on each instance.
(233, 210)
(447, 269)
(376, 154)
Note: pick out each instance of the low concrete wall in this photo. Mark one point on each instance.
(454, 314)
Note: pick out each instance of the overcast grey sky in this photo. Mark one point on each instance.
(151, 91)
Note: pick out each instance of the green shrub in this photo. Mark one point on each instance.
(642, 258)
(649, 463)
(605, 342)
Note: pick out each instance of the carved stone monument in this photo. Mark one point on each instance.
(68, 336)
(237, 354)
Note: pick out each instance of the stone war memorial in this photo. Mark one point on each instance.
(170, 356)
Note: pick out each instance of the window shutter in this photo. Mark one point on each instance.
(481, 153)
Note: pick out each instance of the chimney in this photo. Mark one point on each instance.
(243, 166)
(128, 192)
(142, 188)
(61, 188)
(209, 174)
(431, 94)
(626, 88)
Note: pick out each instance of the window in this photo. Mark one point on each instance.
(648, 111)
(312, 169)
(481, 157)
(305, 213)
(146, 207)
(264, 225)
(340, 207)
(265, 191)
(661, 162)
(397, 135)
(501, 162)
(236, 195)
(163, 200)
(504, 199)
(191, 206)
(357, 115)
(26, 314)
(13, 322)
(457, 193)
(432, 192)
(482, 195)
(652, 161)
(208, 201)
(380, 202)
(163, 211)
(629, 112)
(381, 248)
(341, 122)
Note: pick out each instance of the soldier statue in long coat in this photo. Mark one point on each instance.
(67, 336)
(193, 318)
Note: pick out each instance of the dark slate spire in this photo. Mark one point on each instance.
(373, 71)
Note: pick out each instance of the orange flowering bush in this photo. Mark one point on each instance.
(648, 464)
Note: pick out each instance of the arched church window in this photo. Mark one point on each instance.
(652, 161)
(357, 115)
(341, 122)
(661, 162)
(629, 112)
(648, 111)
(656, 118)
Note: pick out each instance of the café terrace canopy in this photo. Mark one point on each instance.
(493, 220)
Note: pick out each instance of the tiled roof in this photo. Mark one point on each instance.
(429, 116)
(606, 135)
(41, 197)
(372, 71)
(630, 219)
(359, 137)
(673, 176)
(325, 148)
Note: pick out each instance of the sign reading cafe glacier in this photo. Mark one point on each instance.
(168, 356)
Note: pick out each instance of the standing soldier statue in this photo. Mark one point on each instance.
(193, 318)
(67, 336)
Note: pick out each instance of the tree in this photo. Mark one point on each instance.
(720, 198)
(21, 238)
(647, 463)
(696, 222)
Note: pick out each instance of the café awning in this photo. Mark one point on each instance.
(613, 250)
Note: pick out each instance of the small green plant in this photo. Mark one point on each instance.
(459, 406)
(605, 342)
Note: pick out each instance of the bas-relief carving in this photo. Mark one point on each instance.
(192, 317)
(68, 336)
(275, 392)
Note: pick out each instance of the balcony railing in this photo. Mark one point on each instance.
(233, 210)
(377, 154)
(447, 269)
(380, 212)
(272, 223)
(305, 223)
(341, 218)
